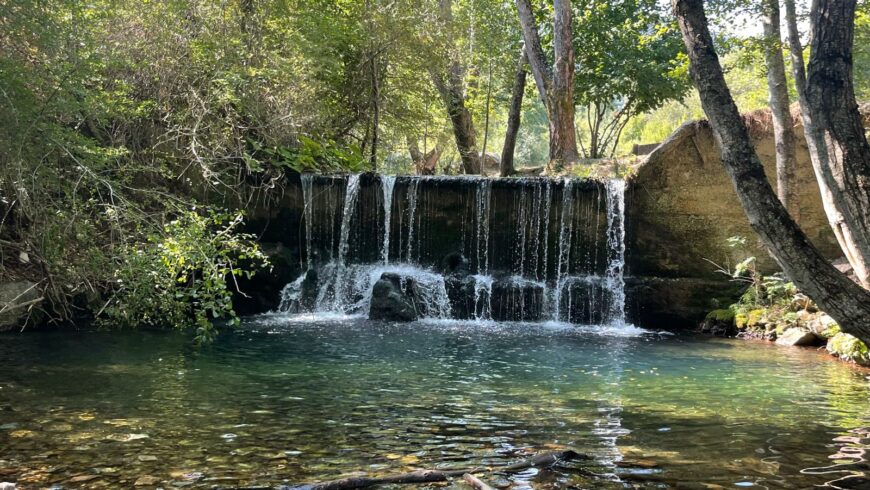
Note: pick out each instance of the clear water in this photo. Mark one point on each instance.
(297, 400)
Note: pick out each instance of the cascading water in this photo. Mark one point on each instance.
(563, 266)
(616, 249)
(388, 182)
(512, 272)
(412, 215)
(308, 212)
(483, 196)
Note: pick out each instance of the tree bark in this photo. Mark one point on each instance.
(463, 126)
(816, 145)
(376, 112)
(506, 166)
(783, 126)
(556, 84)
(837, 124)
(835, 293)
(424, 164)
(452, 91)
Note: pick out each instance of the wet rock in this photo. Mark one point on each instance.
(720, 323)
(517, 299)
(17, 299)
(798, 337)
(146, 481)
(849, 348)
(455, 264)
(460, 292)
(391, 300)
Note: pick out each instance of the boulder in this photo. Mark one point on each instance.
(720, 323)
(393, 299)
(849, 348)
(798, 337)
(455, 264)
(460, 291)
(16, 302)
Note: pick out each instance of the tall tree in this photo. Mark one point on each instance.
(555, 83)
(506, 165)
(450, 83)
(833, 128)
(843, 299)
(783, 127)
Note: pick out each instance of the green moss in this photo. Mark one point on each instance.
(832, 330)
(849, 348)
(754, 317)
(741, 320)
(720, 316)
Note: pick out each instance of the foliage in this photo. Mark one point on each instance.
(629, 61)
(184, 275)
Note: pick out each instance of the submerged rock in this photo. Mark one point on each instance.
(798, 337)
(392, 299)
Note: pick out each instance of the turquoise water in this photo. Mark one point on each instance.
(283, 401)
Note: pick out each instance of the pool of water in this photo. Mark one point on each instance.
(285, 401)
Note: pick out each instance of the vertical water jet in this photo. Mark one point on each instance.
(388, 182)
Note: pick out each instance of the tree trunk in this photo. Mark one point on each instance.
(486, 120)
(556, 85)
(463, 126)
(506, 166)
(838, 129)
(376, 112)
(818, 154)
(783, 126)
(452, 92)
(835, 293)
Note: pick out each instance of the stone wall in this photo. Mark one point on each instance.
(682, 208)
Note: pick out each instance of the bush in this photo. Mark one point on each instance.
(180, 277)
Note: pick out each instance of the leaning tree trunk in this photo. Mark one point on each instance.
(783, 126)
(450, 86)
(506, 166)
(463, 126)
(831, 201)
(837, 123)
(841, 298)
(556, 84)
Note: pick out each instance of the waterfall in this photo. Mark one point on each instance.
(308, 213)
(412, 213)
(616, 249)
(566, 231)
(483, 196)
(350, 194)
(388, 182)
(514, 269)
(482, 297)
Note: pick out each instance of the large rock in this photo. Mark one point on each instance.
(798, 337)
(720, 323)
(16, 302)
(393, 299)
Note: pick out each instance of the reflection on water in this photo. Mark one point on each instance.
(281, 401)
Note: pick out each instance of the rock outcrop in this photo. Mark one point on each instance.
(17, 300)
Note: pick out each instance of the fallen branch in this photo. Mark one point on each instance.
(475, 482)
(431, 476)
